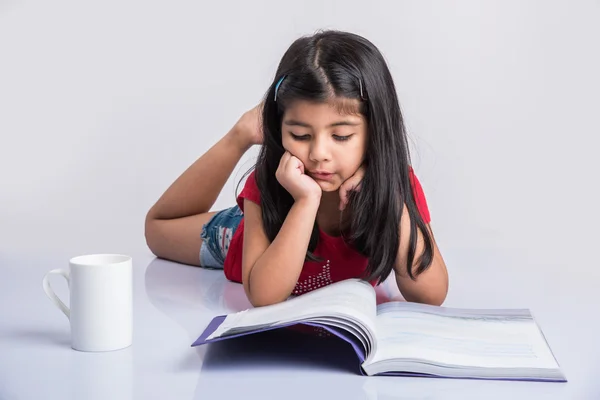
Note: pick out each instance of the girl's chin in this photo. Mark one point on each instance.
(328, 186)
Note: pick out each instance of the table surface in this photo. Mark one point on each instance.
(173, 303)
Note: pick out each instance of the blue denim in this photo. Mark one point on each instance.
(216, 236)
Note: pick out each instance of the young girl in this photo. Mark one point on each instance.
(332, 195)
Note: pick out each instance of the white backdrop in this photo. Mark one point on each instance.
(104, 104)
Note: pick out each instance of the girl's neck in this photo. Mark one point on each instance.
(329, 214)
(330, 204)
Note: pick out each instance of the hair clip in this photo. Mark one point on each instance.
(361, 89)
(277, 86)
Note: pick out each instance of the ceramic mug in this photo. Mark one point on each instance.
(100, 309)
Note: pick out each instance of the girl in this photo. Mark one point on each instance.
(332, 195)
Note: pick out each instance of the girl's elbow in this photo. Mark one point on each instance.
(264, 300)
(437, 299)
(437, 295)
(434, 298)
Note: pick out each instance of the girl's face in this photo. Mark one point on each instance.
(330, 144)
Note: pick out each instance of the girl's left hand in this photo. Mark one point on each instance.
(352, 183)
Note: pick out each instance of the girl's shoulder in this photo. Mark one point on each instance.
(250, 191)
(419, 195)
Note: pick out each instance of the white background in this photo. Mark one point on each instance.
(104, 104)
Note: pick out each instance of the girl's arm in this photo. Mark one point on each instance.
(431, 286)
(270, 270)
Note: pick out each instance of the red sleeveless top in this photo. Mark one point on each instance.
(340, 261)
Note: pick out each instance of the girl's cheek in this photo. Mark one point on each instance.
(295, 149)
(289, 147)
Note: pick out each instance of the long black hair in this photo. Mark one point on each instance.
(332, 65)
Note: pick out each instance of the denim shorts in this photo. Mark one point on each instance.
(216, 236)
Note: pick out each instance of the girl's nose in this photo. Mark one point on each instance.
(319, 151)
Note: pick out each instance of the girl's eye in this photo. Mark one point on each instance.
(300, 138)
(307, 137)
(342, 138)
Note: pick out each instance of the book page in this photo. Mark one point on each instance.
(492, 340)
(351, 299)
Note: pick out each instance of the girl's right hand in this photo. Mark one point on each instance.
(291, 176)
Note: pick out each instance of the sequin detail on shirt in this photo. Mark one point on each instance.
(313, 282)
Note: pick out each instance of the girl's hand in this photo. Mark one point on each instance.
(248, 129)
(291, 176)
(352, 183)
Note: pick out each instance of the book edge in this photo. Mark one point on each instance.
(338, 332)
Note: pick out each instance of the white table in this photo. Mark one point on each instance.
(173, 303)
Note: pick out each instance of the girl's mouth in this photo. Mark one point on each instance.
(324, 176)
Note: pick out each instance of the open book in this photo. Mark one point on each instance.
(401, 338)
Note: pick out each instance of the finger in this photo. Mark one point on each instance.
(359, 175)
(344, 189)
(352, 184)
(284, 159)
(295, 163)
(299, 164)
(343, 193)
(282, 164)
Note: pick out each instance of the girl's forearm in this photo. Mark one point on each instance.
(276, 272)
(196, 190)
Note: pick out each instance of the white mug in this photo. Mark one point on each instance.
(101, 301)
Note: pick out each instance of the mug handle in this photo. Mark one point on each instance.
(50, 293)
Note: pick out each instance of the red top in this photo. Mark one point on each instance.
(340, 261)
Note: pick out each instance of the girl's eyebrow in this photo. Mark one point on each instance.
(292, 122)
